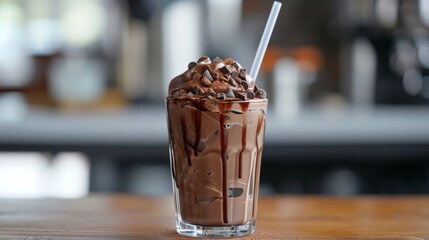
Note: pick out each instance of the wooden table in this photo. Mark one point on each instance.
(280, 217)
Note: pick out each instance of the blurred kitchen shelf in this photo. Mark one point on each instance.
(382, 125)
(143, 128)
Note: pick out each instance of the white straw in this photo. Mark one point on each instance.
(265, 39)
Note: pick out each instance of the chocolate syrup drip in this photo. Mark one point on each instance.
(258, 163)
(243, 147)
(244, 107)
(197, 118)
(223, 148)
(183, 123)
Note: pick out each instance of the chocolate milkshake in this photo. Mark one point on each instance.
(216, 122)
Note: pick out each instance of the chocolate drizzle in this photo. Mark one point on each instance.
(185, 137)
(224, 147)
(244, 106)
(197, 117)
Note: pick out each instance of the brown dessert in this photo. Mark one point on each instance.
(216, 121)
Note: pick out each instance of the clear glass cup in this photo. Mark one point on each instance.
(215, 156)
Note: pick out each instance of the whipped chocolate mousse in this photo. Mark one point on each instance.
(216, 124)
(220, 79)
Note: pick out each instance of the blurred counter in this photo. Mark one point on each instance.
(279, 217)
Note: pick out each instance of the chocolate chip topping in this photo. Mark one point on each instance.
(232, 82)
(241, 95)
(261, 93)
(237, 66)
(250, 94)
(212, 92)
(176, 94)
(198, 90)
(203, 59)
(221, 96)
(205, 81)
(217, 60)
(242, 74)
(245, 85)
(215, 79)
(226, 69)
(255, 88)
(191, 65)
(229, 93)
(215, 75)
(208, 75)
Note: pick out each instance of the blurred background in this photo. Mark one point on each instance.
(83, 82)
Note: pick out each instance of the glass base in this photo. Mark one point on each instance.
(191, 230)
